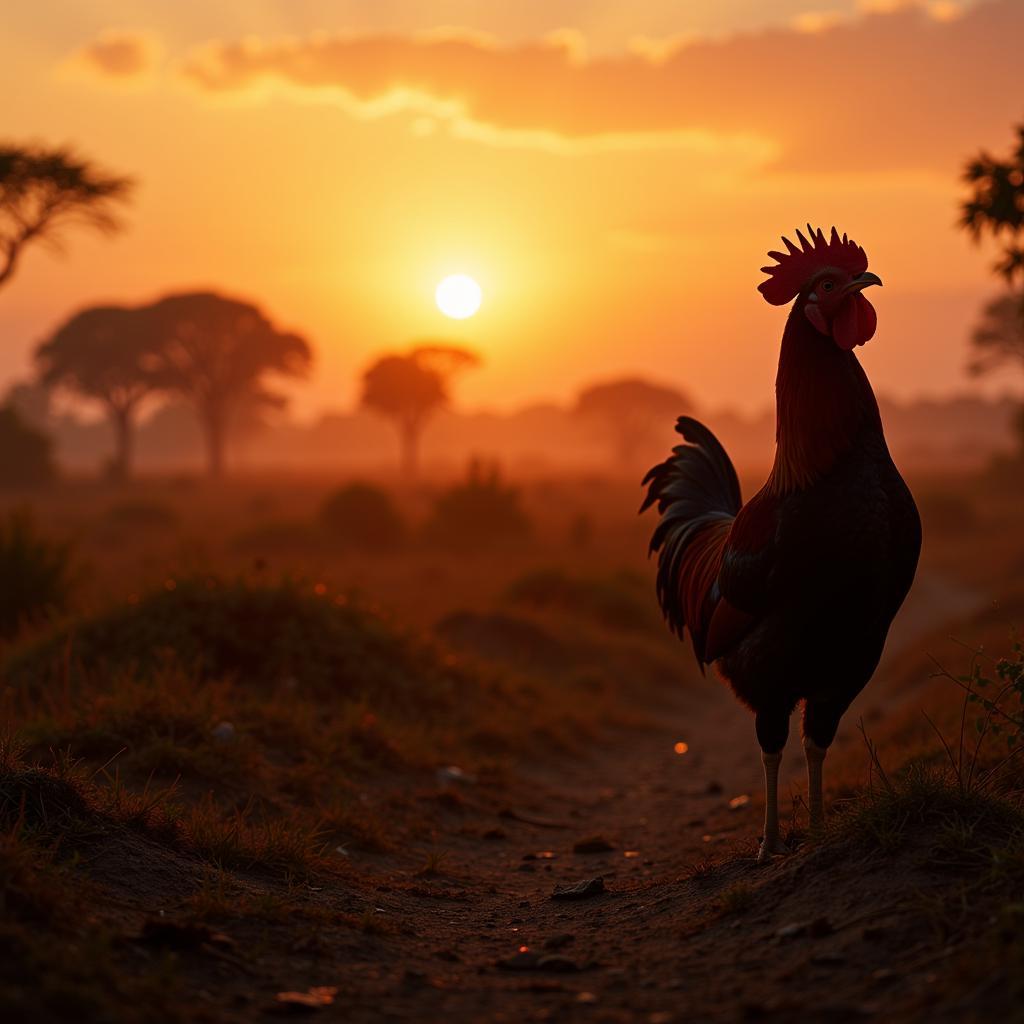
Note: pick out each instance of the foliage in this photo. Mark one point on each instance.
(143, 513)
(26, 454)
(619, 602)
(629, 412)
(364, 516)
(996, 206)
(216, 352)
(996, 687)
(481, 512)
(36, 571)
(283, 636)
(43, 191)
(410, 388)
(107, 353)
(999, 337)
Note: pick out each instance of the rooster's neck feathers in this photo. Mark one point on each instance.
(823, 401)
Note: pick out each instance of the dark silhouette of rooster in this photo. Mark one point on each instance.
(792, 594)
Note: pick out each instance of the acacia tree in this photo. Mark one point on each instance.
(107, 353)
(995, 207)
(999, 340)
(217, 352)
(410, 388)
(43, 191)
(629, 412)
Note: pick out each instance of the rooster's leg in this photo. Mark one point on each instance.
(772, 726)
(771, 843)
(815, 760)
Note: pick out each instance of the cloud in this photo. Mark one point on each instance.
(900, 86)
(122, 55)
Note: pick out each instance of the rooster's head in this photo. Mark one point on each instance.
(826, 276)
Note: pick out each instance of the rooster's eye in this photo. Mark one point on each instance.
(827, 286)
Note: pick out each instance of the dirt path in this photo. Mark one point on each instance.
(687, 927)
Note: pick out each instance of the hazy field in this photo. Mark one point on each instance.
(254, 756)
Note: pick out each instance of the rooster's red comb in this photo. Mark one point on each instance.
(793, 268)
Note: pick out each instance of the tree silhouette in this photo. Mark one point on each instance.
(26, 454)
(999, 339)
(410, 388)
(996, 206)
(630, 412)
(217, 352)
(43, 191)
(107, 353)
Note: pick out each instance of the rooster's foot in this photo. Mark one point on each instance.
(769, 849)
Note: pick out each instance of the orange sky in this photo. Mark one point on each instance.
(612, 174)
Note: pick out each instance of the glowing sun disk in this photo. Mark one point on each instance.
(458, 296)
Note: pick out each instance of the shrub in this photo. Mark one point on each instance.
(620, 601)
(481, 512)
(362, 515)
(271, 636)
(144, 513)
(36, 573)
(26, 454)
(277, 536)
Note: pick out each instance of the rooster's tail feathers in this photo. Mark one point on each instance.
(698, 495)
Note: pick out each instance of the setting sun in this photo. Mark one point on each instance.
(458, 296)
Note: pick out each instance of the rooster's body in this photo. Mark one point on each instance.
(793, 593)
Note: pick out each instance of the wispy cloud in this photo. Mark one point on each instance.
(900, 86)
(119, 55)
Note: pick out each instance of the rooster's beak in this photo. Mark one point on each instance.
(865, 280)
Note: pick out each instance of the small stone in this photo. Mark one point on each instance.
(595, 844)
(452, 773)
(586, 998)
(828, 959)
(557, 962)
(223, 732)
(580, 891)
(312, 999)
(524, 960)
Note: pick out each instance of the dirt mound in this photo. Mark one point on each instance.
(284, 635)
(621, 601)
(504, 638)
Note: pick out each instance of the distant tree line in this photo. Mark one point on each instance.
(995, 208)
(219, 352)
(214, 351)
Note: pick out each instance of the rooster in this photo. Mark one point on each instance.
(791, 595)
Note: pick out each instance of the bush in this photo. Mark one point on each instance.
(479, 513)
(362, 515)
(620, 602)
(277, 536)
(143, 513)
(26, 454)
(36, 574)
(276, 636)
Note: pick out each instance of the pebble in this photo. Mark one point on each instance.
(579, 891)
(595, 844)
